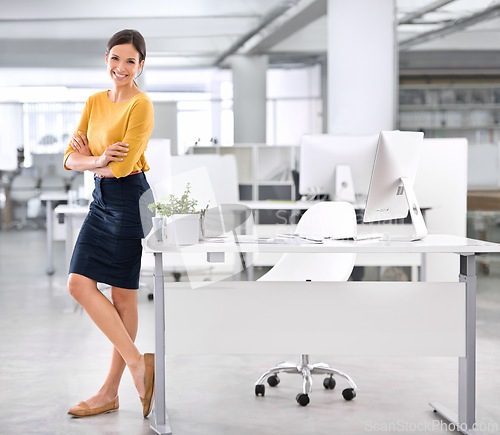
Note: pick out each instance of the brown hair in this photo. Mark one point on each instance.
(129, 36)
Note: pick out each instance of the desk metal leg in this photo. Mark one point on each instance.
(72, 305)
(249, 229)
(466, 417)
(50, 238)
(160, 422)
(423, 268)
(68, 219)
(467, 364)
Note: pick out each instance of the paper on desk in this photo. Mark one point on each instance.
(279, 239)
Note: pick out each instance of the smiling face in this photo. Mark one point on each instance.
(123, 64)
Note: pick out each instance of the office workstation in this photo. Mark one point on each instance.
(341, 274)
(397, 153)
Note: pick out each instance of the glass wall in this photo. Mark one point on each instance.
(49, 126)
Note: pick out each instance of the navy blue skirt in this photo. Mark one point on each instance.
(108, 248)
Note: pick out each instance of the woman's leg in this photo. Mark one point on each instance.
(125, 302)
(106, 316)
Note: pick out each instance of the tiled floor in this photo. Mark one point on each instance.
(51, 357)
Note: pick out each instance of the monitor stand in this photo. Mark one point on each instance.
(417, 220)
(344, 186)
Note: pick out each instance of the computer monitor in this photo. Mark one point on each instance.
(337, 166)
(391, 193)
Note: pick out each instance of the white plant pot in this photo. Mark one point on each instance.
(182, 229)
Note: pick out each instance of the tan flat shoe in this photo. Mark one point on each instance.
(84, 410)
(147, 400)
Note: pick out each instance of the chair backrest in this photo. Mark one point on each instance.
(23, 188)
(326, 219)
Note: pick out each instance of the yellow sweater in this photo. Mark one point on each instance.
(105, 123)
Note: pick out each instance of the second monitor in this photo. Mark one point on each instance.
(337, 166)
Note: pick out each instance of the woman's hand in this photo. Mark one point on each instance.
(113, 153)
(80, 144)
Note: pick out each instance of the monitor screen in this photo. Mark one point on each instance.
(391, 193)
(322, 154)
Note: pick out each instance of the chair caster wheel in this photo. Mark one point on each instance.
(302, 399)
(349, 393)
(150, 296)
(260, 390)
(273, 380)
(329, 383)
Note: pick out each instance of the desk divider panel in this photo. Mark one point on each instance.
(339, 318)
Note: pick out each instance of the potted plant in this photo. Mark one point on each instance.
(180, 217)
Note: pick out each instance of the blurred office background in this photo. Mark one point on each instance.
(447, 80)
(447, 83)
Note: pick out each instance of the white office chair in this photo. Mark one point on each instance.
(328, 220)
(23, 188)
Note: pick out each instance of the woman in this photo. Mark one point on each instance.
(110, 141)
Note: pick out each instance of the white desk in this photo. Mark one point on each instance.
(463, 292)
(48, 198)
(69, 212)
(412, 260)
(278, 205)
(289, 205)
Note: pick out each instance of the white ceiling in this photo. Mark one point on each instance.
(200, 33)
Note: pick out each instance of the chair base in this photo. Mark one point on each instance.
(21, 224)
(306, 370)
(20, 219)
